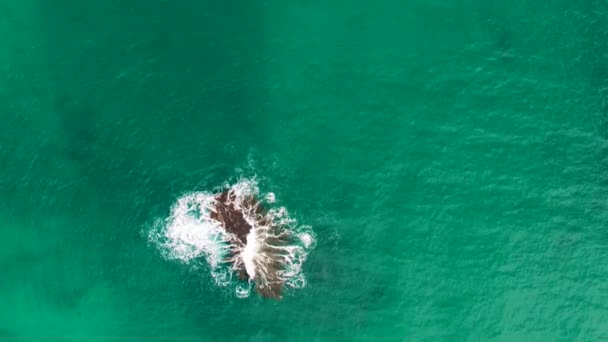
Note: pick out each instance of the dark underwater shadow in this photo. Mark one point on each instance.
(498, 31)
(8, 335)
(592, 24)
(78, 119)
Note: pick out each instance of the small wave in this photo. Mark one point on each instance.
(237, 234)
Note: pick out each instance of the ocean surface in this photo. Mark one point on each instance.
(450, 159)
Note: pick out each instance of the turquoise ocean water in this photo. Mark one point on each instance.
(450, 157)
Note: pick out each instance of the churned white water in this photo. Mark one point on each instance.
(190, 234)
(249, 253)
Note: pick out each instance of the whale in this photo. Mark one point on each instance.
(249, 242)
(244, 220)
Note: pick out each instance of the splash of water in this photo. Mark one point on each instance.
(271, 255)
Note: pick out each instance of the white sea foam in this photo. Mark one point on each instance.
(249, 253)
(270, 198)
(190, 232)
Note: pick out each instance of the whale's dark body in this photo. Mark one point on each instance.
(234, 222)
(232, 218)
